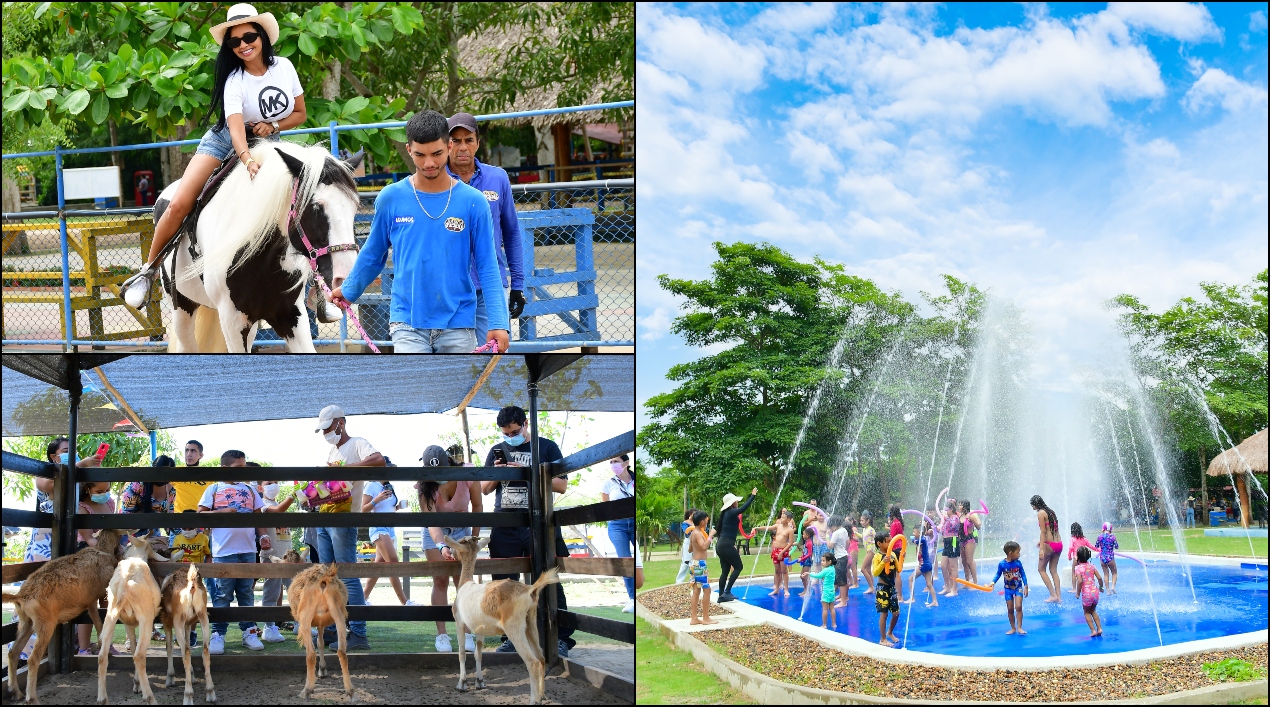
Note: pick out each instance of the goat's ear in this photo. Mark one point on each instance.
(480, 544)
(355, 160)
(98, 533)
(296, 167)
(451, 542)
(177, 555)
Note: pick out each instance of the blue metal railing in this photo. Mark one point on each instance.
(332, 130)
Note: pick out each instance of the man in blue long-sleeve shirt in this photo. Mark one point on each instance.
(493, 183)
(440, 232)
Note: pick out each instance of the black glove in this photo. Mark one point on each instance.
(515, 304)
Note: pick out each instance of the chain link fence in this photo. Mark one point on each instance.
(579, 252)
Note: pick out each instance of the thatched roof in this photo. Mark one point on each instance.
(1250, 453)
(481, 56)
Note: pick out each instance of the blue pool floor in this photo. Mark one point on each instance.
(1228, 600)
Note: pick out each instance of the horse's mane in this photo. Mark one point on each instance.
(260, 204)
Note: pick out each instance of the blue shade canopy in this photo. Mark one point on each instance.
(187, 390)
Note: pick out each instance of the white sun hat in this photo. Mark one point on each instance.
(243, 13)
(728, 500)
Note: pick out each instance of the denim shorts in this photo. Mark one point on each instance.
(390, 532)
(407, 339)
(218, 144)
(456, 533)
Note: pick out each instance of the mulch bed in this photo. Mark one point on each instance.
(672, 602)
(786, 656)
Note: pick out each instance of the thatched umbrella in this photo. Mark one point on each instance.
(1250, 455)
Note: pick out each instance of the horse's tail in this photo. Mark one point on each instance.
(207, 331)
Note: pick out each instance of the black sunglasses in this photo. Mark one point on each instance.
(248, 38)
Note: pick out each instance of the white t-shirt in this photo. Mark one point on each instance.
(373, 488)
(263, 98)
(243, 498)
(839, 540)
(617, 489)
(355, 450)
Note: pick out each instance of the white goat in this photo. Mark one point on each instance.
(502, 606)
(183, 604)
(133, 598)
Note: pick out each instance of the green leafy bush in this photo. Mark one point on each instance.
(1233, 670)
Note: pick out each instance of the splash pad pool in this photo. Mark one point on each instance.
(1230, 609)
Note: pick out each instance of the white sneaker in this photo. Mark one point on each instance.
(216, 646)
(443, 644)
(251, 639)
(412, 602)
(470, 644)
(272, 634)
(629, 608)
(127, 647)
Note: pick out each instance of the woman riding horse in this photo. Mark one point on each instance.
(254, 89)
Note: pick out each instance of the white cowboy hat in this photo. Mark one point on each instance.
(241, 13)
(728, 500)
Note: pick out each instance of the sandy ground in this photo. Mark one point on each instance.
(505, 685)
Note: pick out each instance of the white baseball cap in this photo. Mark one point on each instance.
(329, 414)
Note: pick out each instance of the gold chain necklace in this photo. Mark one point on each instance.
(450, 193)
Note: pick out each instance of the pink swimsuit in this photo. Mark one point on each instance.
(1088, 585)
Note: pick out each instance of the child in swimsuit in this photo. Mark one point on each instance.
(884, 568)
(1015, 586)
(805, 561)
(925, 565)
(697, 567)
(951, 553)
(867, 541)
(1090, 582)
(1078, 541)
(1107, 546)
(825, 575)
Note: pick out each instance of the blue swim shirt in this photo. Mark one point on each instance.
(432, 258)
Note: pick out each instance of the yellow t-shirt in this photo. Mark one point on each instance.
(196, 548)
(188, 493)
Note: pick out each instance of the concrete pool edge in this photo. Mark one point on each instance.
(767, 690)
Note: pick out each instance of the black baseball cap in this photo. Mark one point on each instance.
(461, 120)
(435, 456)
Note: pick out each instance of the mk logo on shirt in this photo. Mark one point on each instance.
(273, 102)
(404, 219)
(454, 223)
(491, 195)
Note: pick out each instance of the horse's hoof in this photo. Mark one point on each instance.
(304, 694)
(352, 696)
(461, 687)
(211, 696)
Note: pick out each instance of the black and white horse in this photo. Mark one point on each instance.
(241, 264)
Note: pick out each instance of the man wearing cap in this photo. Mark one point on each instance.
(493, 183)
(1190, 511)
(446, 497)
(514, 450)
(340, 544)
(440, 232)
(725, 549)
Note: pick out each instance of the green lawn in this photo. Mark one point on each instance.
(679, 679)
(1196, 543)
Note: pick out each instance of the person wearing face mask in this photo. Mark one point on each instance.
(94, 497)
(514, 496)
(340, 544)
(58, 452)
(622, 531)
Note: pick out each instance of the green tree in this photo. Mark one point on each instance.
(126, 449)
(733, 420)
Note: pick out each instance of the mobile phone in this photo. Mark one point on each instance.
(499, 456)
(101, 451)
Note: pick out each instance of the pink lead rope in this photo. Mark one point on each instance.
(313, 256)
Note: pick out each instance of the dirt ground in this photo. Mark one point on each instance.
(507, 684)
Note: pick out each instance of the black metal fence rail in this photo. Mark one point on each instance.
(541, 519)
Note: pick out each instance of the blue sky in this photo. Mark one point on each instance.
(1056, 154)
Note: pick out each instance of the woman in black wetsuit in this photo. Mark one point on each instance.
(729, 559)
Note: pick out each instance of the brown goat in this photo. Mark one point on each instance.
(318, 598)
(184, 603)
(134, 600)
(56, 593)
(505, 606)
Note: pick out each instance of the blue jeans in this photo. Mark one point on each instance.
(407, 339)
(227, 588)
(622, 533)
(340, 545)
(482, 317)
(1190, 517)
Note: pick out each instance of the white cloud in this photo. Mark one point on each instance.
(701, 54)
(1189, 22)
(1257, 21)
(656, 325)
(1217, 86)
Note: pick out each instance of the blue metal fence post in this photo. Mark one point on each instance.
(154, 445)
(68, 322)
(335, 150)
